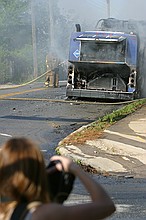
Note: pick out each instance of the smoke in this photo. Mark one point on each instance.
(88, 12)
(131, 9)
(91, 10)
(64, 14)
(84, 12)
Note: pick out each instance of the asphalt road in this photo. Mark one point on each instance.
(44, 115)
(129, 196)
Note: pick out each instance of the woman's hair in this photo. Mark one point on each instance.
(22, 171)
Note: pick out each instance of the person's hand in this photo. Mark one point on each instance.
(67, 163)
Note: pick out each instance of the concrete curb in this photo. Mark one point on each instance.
(120, 151)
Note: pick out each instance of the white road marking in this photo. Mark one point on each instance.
(6, 135)
(131, 137)
(44, 150)
(122, 207)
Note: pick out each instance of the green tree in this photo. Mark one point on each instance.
(15, 39)
(53, 31)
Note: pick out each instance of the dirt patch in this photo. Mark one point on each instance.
(82, 136)
(89, 169)
(92, 170)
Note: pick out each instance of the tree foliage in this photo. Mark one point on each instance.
(14, 35)
(16, 52)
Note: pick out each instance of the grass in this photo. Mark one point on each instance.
(95, 130)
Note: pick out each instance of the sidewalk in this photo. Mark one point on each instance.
(120, 151)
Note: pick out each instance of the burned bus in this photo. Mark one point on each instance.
(107, 63)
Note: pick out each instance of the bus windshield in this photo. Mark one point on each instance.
(103, 51)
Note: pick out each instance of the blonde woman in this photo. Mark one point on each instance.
(23, 179)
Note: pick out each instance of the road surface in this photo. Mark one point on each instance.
(36, 112)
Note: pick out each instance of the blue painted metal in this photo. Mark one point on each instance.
(76, 38)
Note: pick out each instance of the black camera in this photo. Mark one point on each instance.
(60, 183)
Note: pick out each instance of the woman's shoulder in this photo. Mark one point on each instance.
(33, 205)
(6, 210)
(30, 209)
(25, 210)
(47, 211)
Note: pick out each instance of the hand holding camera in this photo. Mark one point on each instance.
(60, 178)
